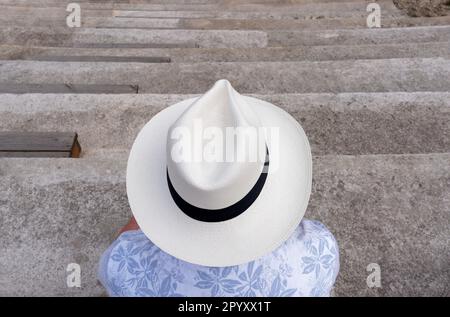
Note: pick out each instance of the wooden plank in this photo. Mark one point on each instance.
(19, 88)
(98, 58)
(39, 144)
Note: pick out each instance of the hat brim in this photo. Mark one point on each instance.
(270, 220)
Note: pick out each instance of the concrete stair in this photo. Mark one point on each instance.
(336, 124)
(125, 22)
(47, 36)
(326, 8)
(375, 104)
(149, 22)
(265, 54)
(430, 74)
(389, 209)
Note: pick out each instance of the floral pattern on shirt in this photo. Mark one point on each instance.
(307, 264)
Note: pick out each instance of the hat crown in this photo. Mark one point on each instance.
(215, 148)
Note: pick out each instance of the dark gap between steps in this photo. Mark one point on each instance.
(12, 88)
(98, 58)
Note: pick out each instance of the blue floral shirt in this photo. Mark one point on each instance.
(305, 265)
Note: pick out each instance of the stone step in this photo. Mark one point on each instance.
(196, 55)
(332, 8)
(359, 36)
(227, 24)
(98, 37)
(222, 19)
(386, 75)
(310, 11)
(244, 15)
(35, 13)
(59, 13)
(152, 2)
(110, 2)
(47, 36)
(357, 123)
(384, 209)
(224, 24)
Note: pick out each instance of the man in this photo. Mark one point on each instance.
(220, 213)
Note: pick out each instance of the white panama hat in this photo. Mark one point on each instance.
(216, 213)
